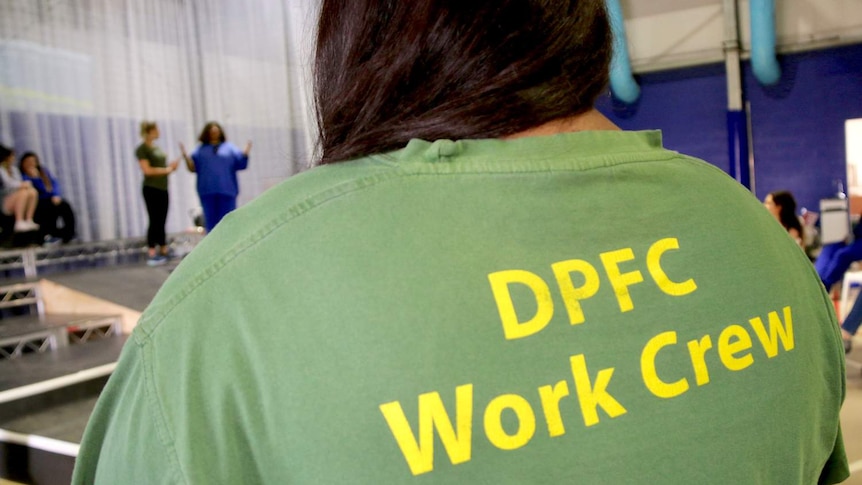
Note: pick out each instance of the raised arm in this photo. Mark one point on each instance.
(190, 163)
(242, 157)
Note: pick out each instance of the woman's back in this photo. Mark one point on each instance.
(546, 309)
(484, 311)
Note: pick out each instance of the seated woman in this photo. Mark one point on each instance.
(51, 206)
(782, 206)
(18, 197)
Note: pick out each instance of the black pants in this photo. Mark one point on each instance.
(47, 214)
(157, 208)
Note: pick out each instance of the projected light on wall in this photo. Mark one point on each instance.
(44, 79)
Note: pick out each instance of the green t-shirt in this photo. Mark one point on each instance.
(157, 158)
(582, 308)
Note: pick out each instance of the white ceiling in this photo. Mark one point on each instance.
(646, 8)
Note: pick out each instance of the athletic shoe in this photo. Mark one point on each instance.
(25, 226)
(52, 241)
(157, 260)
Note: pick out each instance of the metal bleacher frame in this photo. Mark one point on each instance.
(22, 267)
(46, 333)
(21, 294)
(29, 260)
(54, 364)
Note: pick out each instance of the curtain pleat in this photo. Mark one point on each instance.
(78, 76)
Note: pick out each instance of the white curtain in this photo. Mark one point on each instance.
(78, 76)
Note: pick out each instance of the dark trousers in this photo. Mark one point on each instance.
(216, 206)
(47, 214)
(157, 208)
(853, 319)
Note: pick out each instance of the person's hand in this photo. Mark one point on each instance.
(183, 151)
(247, 148)
(174, 165)
(25, 184)
(56, 199)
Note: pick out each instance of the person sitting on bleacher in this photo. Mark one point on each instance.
(51, 204)
(835, 258)
(782, 206)
(19, 197)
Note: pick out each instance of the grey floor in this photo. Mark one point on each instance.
(132, 286)
(65, 422)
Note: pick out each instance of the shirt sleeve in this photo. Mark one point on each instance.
(122, 443)
(10, 181)
(194, 154)
(140, 154)
(56, 187)
(36, 182)
(240, 159)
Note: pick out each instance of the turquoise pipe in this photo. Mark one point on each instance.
(764, 64)
(623, 83)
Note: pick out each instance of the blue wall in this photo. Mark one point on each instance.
(797, 126)
(688, 105)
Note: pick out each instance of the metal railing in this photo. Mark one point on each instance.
(31, 259)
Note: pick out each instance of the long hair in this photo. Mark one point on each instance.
(5, 152)
(43, 172)
(787, 210)
(204, 137)
(386, 72)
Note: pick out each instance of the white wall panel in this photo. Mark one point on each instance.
(674, 33)
(680, 37)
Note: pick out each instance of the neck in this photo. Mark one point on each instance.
(592, 120)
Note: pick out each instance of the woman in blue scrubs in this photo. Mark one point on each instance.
(216, 161)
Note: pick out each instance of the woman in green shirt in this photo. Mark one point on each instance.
(153, 164)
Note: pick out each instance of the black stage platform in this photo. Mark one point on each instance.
(45, 403)
(46, 398)
(24, 377)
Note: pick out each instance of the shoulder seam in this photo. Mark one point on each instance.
(163, 310)
(161, 424)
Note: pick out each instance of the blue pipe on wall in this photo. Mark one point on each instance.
(737, 143)
(623, 83)
(763, 60)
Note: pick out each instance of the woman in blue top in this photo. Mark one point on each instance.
(51, 206)
(216, 162)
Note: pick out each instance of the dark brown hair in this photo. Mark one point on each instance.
(43, 172)
(786, 210)
(205, 133)
(388, 71)
(5, 152)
